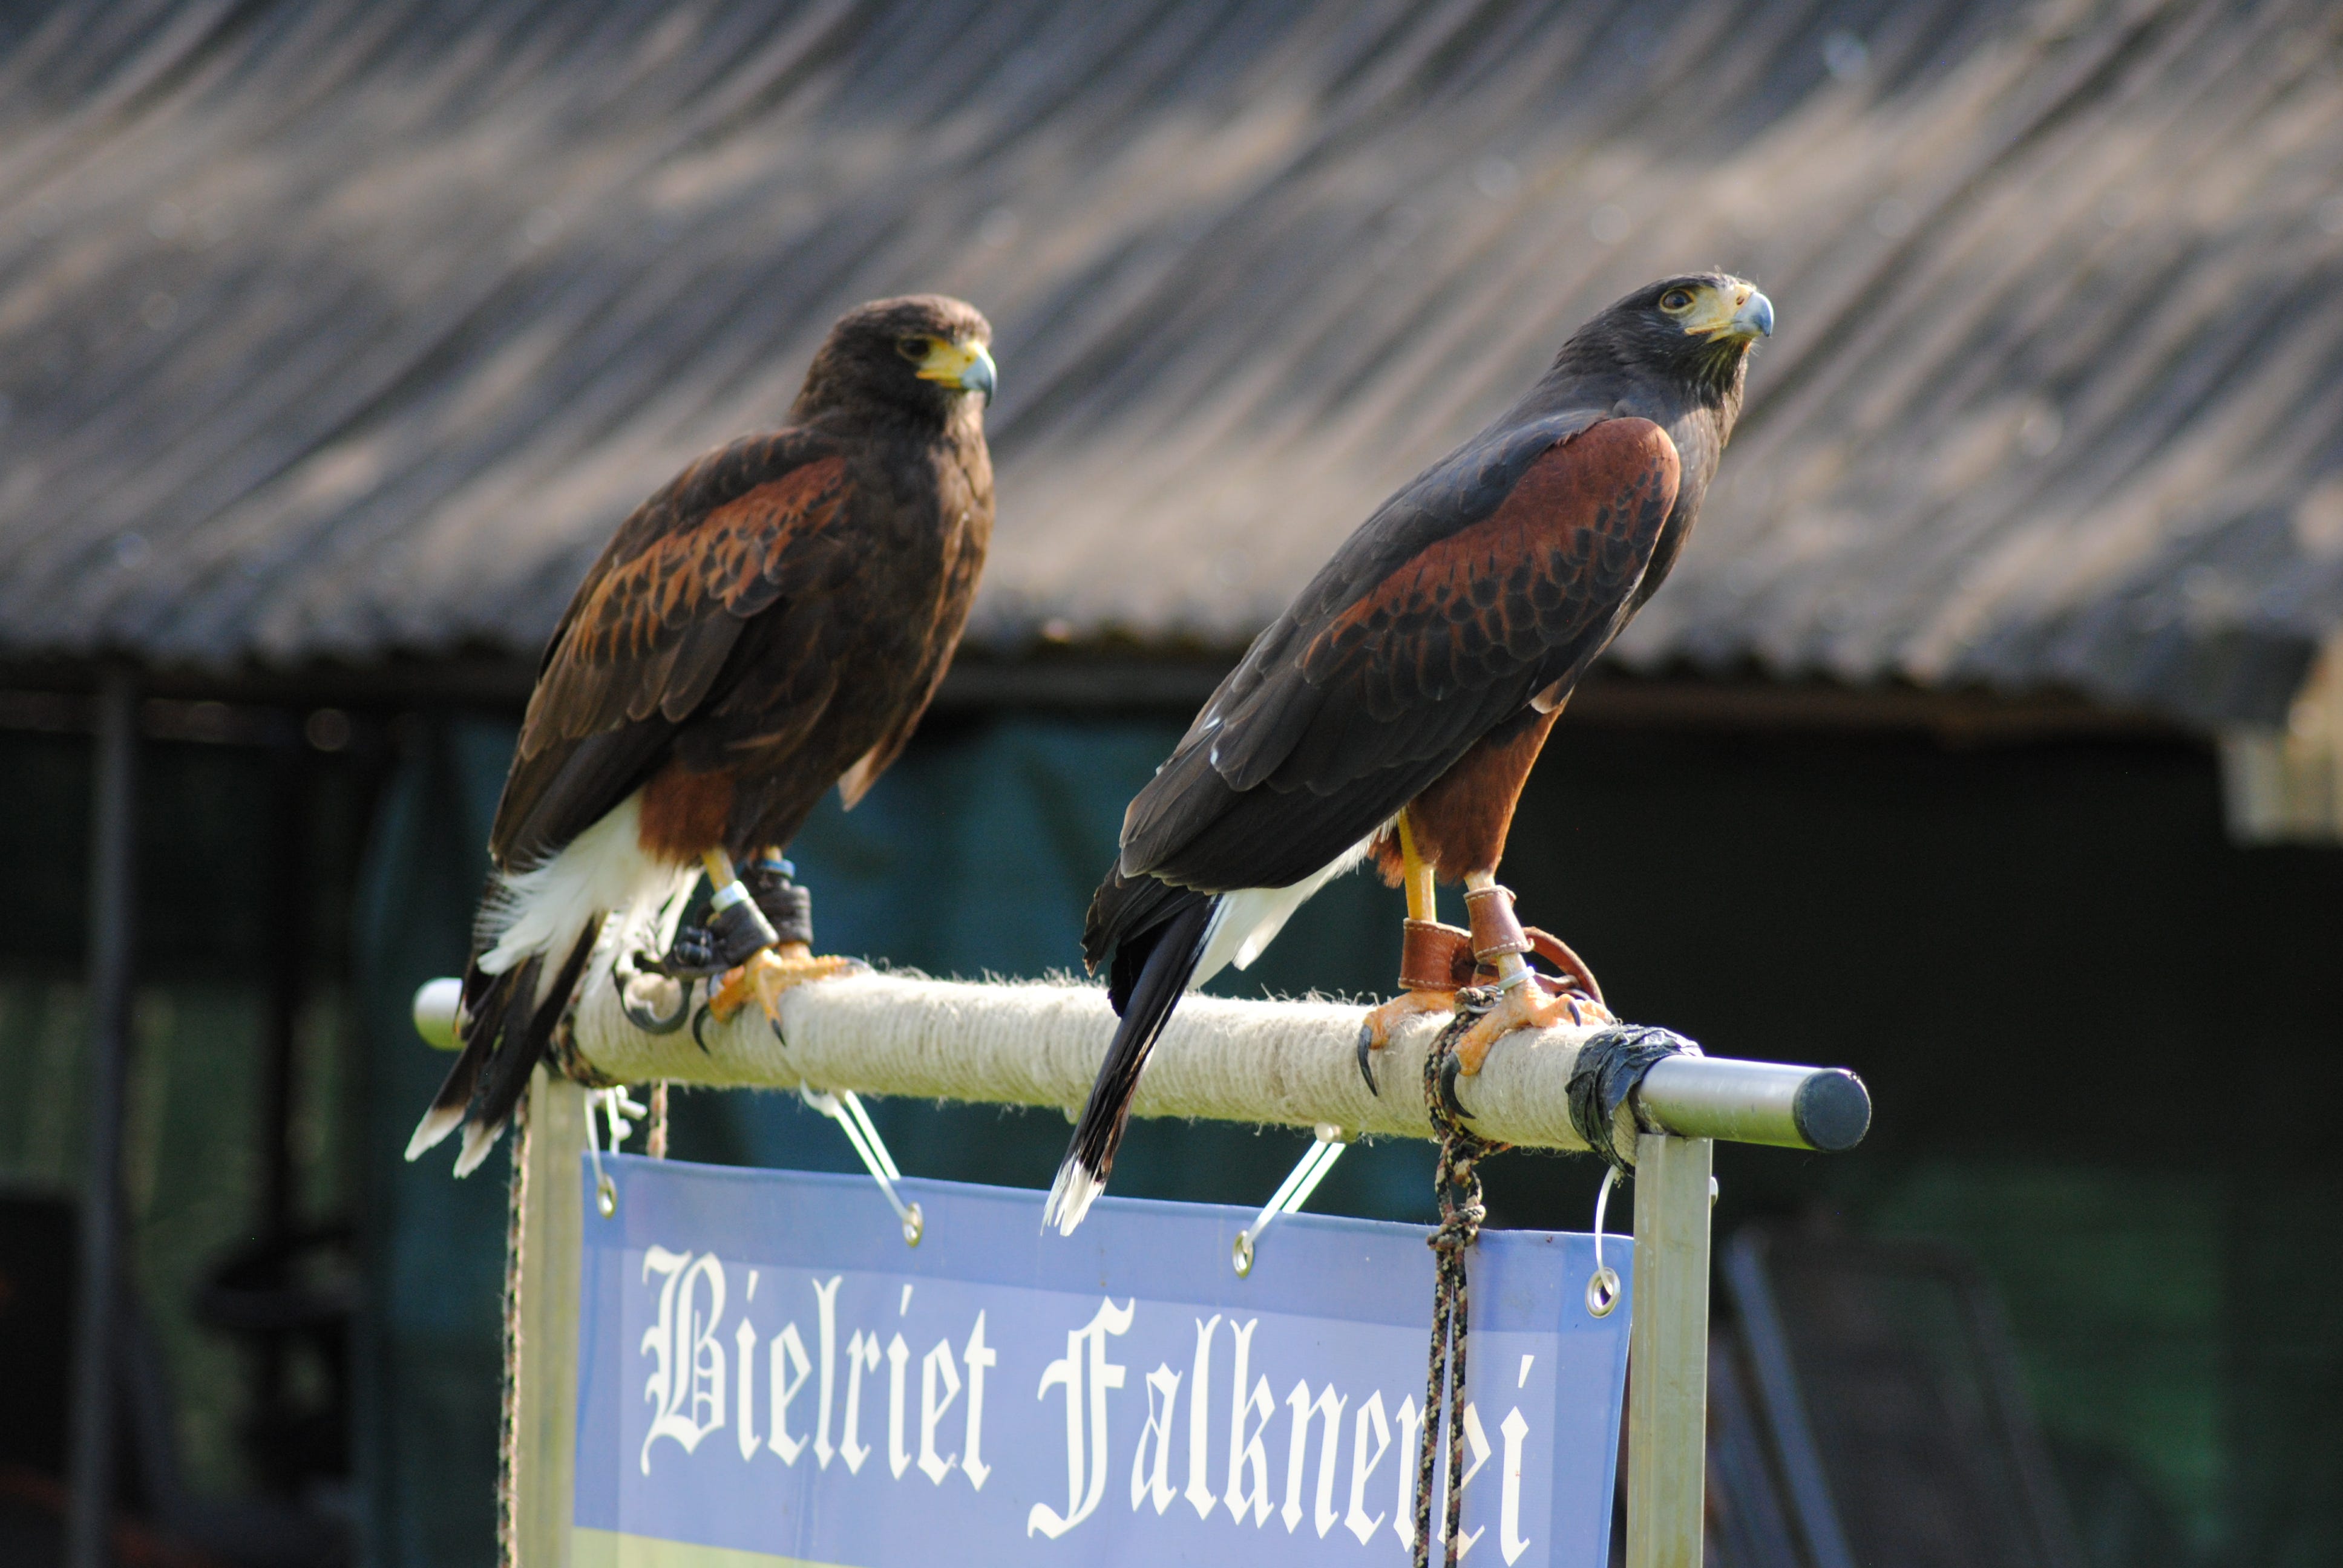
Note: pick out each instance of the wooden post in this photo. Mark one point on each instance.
(1667, 1355)
(540, 1437)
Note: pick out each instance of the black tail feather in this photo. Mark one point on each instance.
(504, 1078)
(479, 1027)
(507, 1031)
(1149, 974)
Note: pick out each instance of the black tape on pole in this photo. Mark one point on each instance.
(1609, 1067)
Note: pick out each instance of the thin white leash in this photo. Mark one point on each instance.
(1292, 1193)
(615, 1106)
(845, 1108)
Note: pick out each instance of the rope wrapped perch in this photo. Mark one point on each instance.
(1287, 1062)
(1292, 1063)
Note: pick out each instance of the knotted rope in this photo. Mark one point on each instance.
(1458, 1182)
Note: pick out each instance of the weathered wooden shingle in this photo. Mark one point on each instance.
(345, 330)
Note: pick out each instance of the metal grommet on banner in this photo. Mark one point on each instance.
(1292, 1193)
(1602, 1286)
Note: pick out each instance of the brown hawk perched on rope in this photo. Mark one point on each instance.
(769, 625)
(1396, 706)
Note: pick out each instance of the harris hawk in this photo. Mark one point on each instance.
(1395, 708)
(769, 624)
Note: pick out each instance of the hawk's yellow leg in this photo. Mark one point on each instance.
(768, 973)
(1523, 1003)
(1422, 904)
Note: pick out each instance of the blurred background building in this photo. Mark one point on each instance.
(1988, 739)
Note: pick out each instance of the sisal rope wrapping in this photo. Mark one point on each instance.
(1029, 1043)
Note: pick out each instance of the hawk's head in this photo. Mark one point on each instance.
(1696, 329)
(924, 354)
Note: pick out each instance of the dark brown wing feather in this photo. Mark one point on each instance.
(654, 624)
(936, 629)
(1499, 575)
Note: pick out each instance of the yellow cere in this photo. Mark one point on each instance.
(1718, 312)
(955, 364)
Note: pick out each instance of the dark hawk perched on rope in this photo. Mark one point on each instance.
(1395, 708)
(770, 624)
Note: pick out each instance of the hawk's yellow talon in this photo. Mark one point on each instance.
(767, 975)
(1376, 1029)
(1524, 1006)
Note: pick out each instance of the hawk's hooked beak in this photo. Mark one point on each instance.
(1740, 313)
(962, 364)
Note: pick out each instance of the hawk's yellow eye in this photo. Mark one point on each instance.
(914, 349)
(1676, 299)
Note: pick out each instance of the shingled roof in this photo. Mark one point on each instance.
(343, 332)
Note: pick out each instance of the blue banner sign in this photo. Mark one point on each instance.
(768, 1377)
